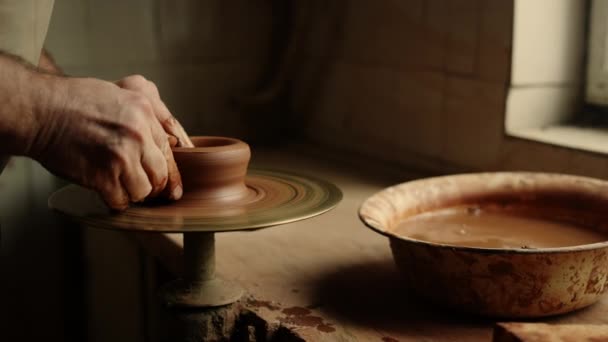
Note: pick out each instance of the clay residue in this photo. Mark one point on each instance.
(295, 316)
(547, 306)
(327, 328)
(532, 289)
(593, 283)
(262, 304)
(302, 317)
(296, 311)
(305, 321)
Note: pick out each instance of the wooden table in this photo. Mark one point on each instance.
(330, 278)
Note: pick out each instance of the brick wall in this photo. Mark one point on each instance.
(200, 54)
(423, 83)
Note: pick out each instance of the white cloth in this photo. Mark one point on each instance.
(23, 27)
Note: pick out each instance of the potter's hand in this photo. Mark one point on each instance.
(177, 134)
(108, 139)
(139, 84)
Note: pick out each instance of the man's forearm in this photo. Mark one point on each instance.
(25, 94)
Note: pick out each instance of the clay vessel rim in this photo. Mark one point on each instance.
(386, 231)
(212, 144)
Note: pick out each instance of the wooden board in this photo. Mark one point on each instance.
(330, 272)
(542, 332)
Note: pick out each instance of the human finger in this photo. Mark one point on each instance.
(169, 123)
(136, 182)
(172, 140)
(155, 165)
(174, 188)
(114, 195)
(166, 119)
(172, 183)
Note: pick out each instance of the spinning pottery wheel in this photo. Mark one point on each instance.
(219, 195)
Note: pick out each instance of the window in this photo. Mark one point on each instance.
(549, 85)
(596, 91)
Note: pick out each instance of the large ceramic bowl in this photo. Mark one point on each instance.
(499, 282)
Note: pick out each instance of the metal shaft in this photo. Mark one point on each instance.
(199, 256)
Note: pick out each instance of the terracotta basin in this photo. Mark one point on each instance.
(214, 169)
(514, 283)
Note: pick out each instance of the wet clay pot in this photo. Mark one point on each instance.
(508, 283)
(214, 169)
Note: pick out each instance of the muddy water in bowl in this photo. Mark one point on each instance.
(560, 221)
(493, 227)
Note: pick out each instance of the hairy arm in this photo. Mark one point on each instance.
(22, 93)
(109, 137)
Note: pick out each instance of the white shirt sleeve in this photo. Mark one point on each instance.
(23, 27)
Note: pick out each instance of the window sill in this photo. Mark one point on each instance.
(580, 138)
